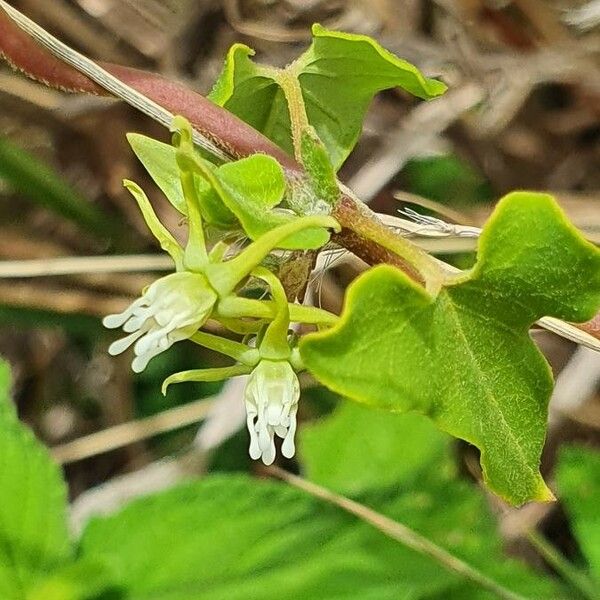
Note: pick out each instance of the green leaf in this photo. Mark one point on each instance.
(252, 188)
(579, 486)
(357, 448)
(339, 74)
(33, 527)
(80, 580)
(401, 466)
(232, 537)
(465, 357)
(160, 162)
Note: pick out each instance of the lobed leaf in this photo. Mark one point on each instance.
(464, 358)
(339, 74)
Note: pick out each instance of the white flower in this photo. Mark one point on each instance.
(173, 308)
(271, 399)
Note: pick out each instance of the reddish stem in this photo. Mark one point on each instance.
(228, 132)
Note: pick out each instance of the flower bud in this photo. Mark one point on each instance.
(271, 398)
(173, 308)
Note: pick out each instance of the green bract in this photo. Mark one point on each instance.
(250, 190)
(339, 74)
(465, 357)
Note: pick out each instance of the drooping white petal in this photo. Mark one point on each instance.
(288, 448)
(140, 362)
(271, 399)
(124, 343)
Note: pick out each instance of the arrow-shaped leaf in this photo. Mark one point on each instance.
(465, 357)
(339, 74)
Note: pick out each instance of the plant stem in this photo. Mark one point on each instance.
(239, 308)
(363, 228)
(239, 352)
(401, 533)
(225, 276)
(568, 571)
(288, 81)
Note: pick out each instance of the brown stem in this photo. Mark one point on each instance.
(351, 218)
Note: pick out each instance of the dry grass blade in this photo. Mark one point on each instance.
(84, 265)
(128, 433)
(398, 532)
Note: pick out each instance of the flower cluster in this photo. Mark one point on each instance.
(175, 307)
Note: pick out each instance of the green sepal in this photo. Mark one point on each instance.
(160, 161)
(199, 375)
(239, 352)
(465, 357)
(167, 242)
(236, 307)
(224, 277)
(274, 344)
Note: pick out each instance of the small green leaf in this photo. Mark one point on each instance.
(357, 448)
(34, 538)
(465, 357)
(160, 162)
(579, 487)
(252, 188)
(339, 74)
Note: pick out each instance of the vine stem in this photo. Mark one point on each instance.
(363, 232)
(399, 532)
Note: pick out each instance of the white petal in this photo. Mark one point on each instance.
(254, 449)
(139, 363)
(124, 343)
(150, 341)
(268, 455)
(114, 321)
(288, 448)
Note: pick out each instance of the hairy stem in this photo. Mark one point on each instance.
(363, 234)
